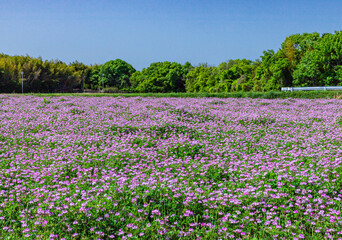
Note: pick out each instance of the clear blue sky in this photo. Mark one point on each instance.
(145, 31)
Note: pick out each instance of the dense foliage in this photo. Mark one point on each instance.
(114, 74)
(235, 75)
(308, 59)
(39, 75)
(170, 168)
(161, 77)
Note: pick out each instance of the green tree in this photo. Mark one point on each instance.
(116, 73)
(202, 79)
(321, 65)
(94, 78)
(234, 75)
(39, 76)
(273, 72)
(239, 73)
(161, 77)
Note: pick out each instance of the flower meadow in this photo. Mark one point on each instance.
(170, 168)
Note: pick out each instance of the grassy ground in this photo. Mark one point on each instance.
(266, 95)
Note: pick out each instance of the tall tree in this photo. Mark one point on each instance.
(161, 77)
(116, 73)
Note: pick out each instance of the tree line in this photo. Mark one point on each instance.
(309, 59)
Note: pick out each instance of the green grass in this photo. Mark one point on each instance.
(265, 95)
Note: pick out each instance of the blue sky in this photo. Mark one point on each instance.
(145, 31)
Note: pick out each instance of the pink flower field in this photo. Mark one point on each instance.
(170, 168)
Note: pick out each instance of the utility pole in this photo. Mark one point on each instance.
(22, 82)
